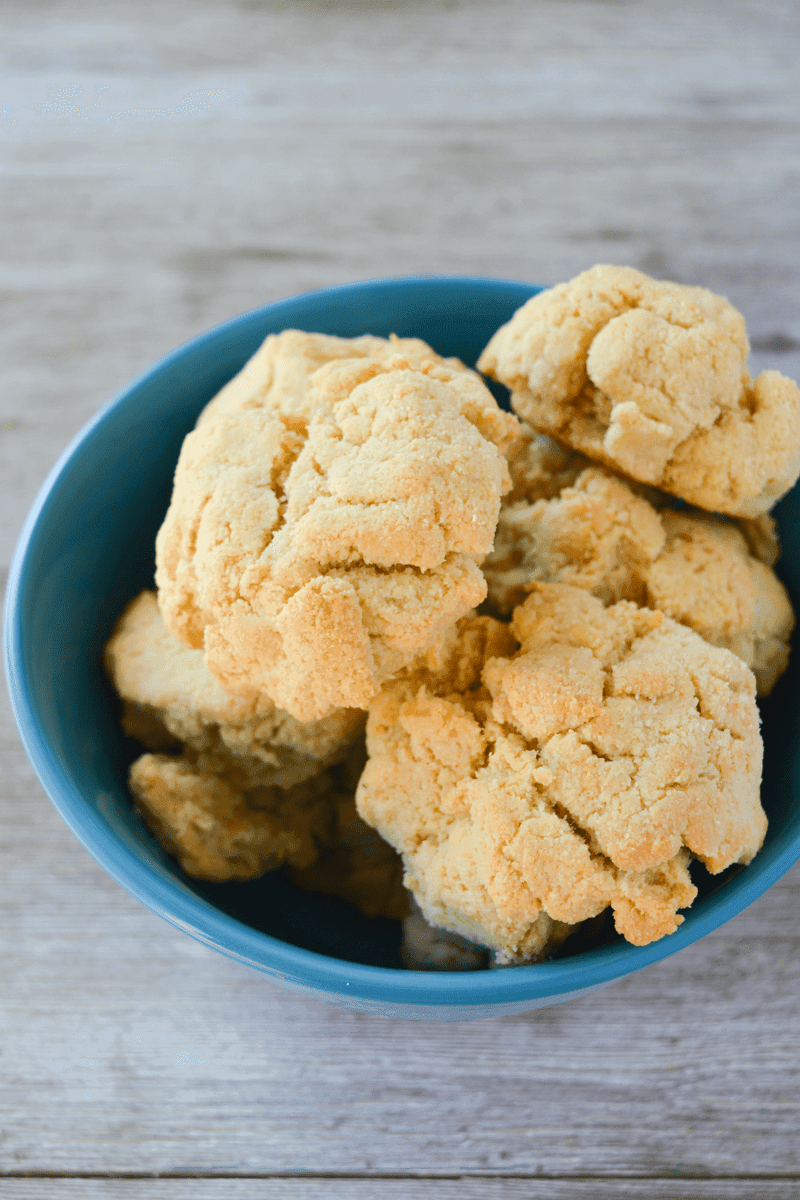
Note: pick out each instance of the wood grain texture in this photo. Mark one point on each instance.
(463, 1188)
(165, 166)
(130, 1048)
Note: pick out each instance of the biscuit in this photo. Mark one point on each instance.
(540, 468)
(597, 533)
(581, 772)
(278, 375)
(227, 806)
(312, 565)
(221, 832)
(649, 378)
(172, 698)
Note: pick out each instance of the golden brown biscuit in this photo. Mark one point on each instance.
(649, 378)
(596, 532)
(278, 376)
(312, 566)
(215, 806)
(171, 697)
(222, 832)
(582, 772)
(706, 579)
(540, 468)
(218, 831)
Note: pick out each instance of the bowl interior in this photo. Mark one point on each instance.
(87, 549)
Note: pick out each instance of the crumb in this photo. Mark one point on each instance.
(649, 378)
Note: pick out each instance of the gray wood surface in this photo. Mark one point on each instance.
(463, 1188)
(165, 166)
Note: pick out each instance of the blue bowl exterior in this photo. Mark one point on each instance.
(87, 548)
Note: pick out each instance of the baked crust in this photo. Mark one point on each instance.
(577, 523)
(581, 771)
(278, 376)
(650, 378)
(313, 562)
(171, 698)
(222, 832)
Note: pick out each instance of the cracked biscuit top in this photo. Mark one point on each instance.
(278, 376)
(581, 771)
(312, 563)
(171, 698)
(649, 378)
(577, 523)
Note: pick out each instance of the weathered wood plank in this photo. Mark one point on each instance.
(397, 1189)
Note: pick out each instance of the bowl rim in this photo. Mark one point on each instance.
(182, 908)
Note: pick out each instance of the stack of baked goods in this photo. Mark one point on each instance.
(553, 624)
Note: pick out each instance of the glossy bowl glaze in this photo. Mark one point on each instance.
(87, 548)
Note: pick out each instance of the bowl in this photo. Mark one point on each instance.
(87, 549)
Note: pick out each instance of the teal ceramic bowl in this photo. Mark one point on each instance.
(87, 548)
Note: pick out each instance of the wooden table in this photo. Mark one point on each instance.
(167, 165)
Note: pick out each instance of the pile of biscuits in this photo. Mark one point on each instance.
(553, 625)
